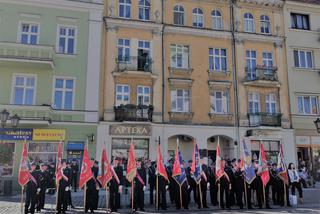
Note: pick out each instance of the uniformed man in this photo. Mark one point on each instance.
(204, 186)
(115, 186)
(192, 183)
(69, 173)
(64, 185)
(95, 172)
(32, 189)
(258, 185)
(90, 195)
(139, 186)
(184, 193)
(43, 183)
(51, 182)
(152, 179)
(162, 192)
(225, 186)
(75, 171)
(233, 165)
(213, 184)
(239, 182)
(171, 180)
(276, 184)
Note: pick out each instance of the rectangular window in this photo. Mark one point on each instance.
(125, 9)
(180, 100)
(29, 33)
(179, 55)
(217, 59)
(251, 59)
(63, 97)
(66, 40)
(303, 59)
(300, 21)
(144, 60)
(220, 102)
(7, 150)
(254, 103)
(123, 50)
(144, 10)
(143, 95)
(271, 103)
(308, 104)
(24, 90)
(46, 152)
(122, 94)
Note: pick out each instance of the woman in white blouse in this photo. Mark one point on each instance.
(295, 181)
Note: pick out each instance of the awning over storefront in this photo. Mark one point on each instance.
(75, 145)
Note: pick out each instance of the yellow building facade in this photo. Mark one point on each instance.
(184, 70)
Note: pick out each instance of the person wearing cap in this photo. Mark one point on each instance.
(213, 185)
(225, 187)
(171, 180)
(69, 173)
(257, 184)
(191, 182)
(95, 172)
(32, 189)
(74, 177)
(276, 184)
(152, 180)
(43, 183)
(239, 183)
(232, 166)
(115, 186)
(51, 182)
(139, 186)
(64, 185)
(204, 185)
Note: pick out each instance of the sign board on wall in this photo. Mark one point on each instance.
(302, 140)
(15, 134)
(32, 134)
(49, 134)
(130, 129)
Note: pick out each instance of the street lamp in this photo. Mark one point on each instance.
(317, 124)
(15, 120)
(4, 115)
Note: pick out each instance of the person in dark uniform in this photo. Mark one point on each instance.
(75, 171)
(239, 183)
(95, 172)
(162, 192)
(204, 186)
(225, 186)
(192, 183)
(63, 189)
(232, 164)
(258, 185)
(115, 186)
(69, 173)
(90, 195)
(152, 179)
(184, 194)
(32, 189)
(139, 186)
(51, 182)
(43, 182)
(213, 184)
(171, 181)
(276, 184)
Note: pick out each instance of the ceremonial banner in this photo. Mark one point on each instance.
(106, 173)
(265, 176)
(131, 167)
(281, 167)
(196, 166)
(219, 167)
(24, 173)
(178, 172)
(59, 164)
(160, 166)
(86, 173)
(250, 174)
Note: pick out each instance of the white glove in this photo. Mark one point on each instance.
(157, 172)
(67, 189)
(208, 185)
(38, 190)
(70, 188)
(188, 186)
(167, 187)
(47, 190)
(144, 188)
(120, 189)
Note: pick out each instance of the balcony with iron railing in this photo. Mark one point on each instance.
(41, 56)
(131, 112)
(262, 75)
(134, 63)
(264, 119)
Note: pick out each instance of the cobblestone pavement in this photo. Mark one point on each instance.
(11, 205)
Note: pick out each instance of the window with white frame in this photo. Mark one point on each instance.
(265, 24)
(308, 104)
(66, 40)
(123, 50)
(178, 15)
(271, 103)
(24, 88)
(248, 23)
(144, 10)
(220, 102)
(125, 9)
(29, 33)
(303, 59)
(254, 103)
(143, 95)
(179, 55)
(180, 100)
(197, 18)
(216, 19)
(267, 59)
(217, 59)
(251, 60)
(122, 94)
(64, 89)
(300, 21)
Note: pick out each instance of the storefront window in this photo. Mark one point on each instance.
(120, 147)
(44, 152)
(271, 149)
(6, 159)
(316, 164)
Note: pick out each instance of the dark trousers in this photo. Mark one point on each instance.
(41, 199)
(249, 193)
(224, 190)
(162, 197)
(62, 200)
(239, 193)
(183, 194)
(213, 194)
(96, 199)
(114, 199)
(276, 194)
(152, 188)
(297, 185)
(138, 198)
(172, 190)
(31, 200)
(74, 181)
(90, 196)
(203, 192)
(69, 198)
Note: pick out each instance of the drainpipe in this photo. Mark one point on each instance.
(163, 60)
(234, 72)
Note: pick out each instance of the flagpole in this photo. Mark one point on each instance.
(264, 196)
(22, 199)
(157, 191)
(180, 197)
(200, 193)
(107, 203)
(57, 183)
(285, 194)
(132, 195)
(219, 195)
(245, 193)
(85, 185)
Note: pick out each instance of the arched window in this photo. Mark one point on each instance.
(265, 24)
(248, 22)
(197, 17)
(216, 19)
(125, 9)
(144, 9)
(178, 15)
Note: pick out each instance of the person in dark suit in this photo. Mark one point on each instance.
(32, 189)
(152, 179)
(115, 186)
(52, 182)
(95, 172)
(75, 171)
(162, 192)
(204, 186)
(192, 183)
(239, 183)
(225, 186)
(64, 186)
(139, 186)
(171, 181)
(43, 183)
(213, 184)
(70, 185)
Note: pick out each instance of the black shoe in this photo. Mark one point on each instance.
(164, 208)
(205, 206)
(72, 207)
(142, 209)
(268, 207)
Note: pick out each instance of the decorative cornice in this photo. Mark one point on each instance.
(225, 84)
(272, 3)
(129, 23)
(197, 32)
(241, 37)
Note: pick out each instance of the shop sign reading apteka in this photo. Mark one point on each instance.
(130, 129)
